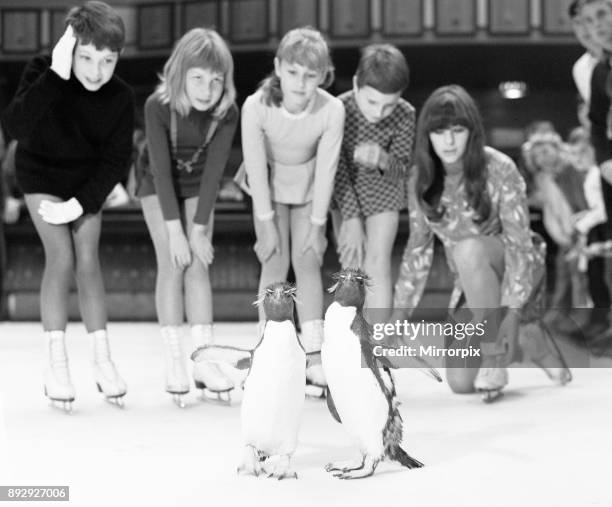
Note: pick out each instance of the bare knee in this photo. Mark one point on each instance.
(461, 380)
(469, 254)
(276, 267)
(196, 271)
(304, 264)
(60, 263)
(377, 265)
(88, 266)
(169, 273)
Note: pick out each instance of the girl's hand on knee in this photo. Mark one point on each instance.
(315, 240)
(268, 241)
(180, 253)
(351, 243)
(200, 244)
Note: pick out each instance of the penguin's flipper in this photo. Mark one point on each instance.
(232, 356)
(331, 406)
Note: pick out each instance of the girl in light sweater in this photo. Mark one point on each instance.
(291, 137)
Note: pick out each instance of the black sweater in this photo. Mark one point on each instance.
(71, 142)
(600, 116)
(598, 112)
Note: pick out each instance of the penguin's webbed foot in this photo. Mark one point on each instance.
(366, 470)
(251, 462)
(344, 466)
(278, 467)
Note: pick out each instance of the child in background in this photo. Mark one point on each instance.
(190, 123)
(569, 189)
(582, 158)
(73, 120)
(374, 163)
(291, 137)
(528, 172)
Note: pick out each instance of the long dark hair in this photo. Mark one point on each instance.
(447, 106)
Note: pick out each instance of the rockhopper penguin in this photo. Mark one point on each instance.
(361, 391)
(274, 389)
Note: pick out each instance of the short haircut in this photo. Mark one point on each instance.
(384, 68)
(99, 24)
(582, 3)
(573, 10)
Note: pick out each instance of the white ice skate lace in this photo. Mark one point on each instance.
(102, 358)
(59, 361)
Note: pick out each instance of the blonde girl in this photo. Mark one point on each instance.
(291, 137)
(190, 123)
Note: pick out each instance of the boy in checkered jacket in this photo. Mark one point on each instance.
(375, 160)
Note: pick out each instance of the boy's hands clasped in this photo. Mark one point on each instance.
(61, 58)
(371, 155)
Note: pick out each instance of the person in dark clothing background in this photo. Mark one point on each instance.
(596, 16)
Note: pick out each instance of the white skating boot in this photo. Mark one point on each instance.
(58, 385)
(207, 375)
(491, 378)
(177, 379)
(312, 338)
(108, 380)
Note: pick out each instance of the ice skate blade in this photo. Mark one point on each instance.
(490, 395)
(315, 391)
(220, 397)
(564, 378)
(178, 400)
(115, 399)
(64, 405)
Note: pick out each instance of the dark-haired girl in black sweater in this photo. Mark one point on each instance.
(73, 120)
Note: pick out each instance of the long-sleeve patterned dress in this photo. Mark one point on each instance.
(523, 284)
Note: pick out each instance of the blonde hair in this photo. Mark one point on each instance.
(304, 46)
(199, 47)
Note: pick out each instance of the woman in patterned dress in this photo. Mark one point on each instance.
(472, 198)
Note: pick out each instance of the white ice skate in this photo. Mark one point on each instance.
(207, 375)
(58, 384)
(312, 338)
(108, 380)
(490, 380)
(177, 379)
(316, 384)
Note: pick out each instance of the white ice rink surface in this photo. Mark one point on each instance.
(541, 445)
